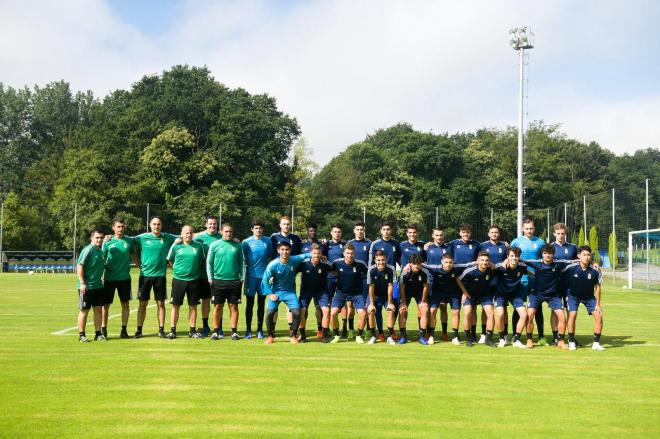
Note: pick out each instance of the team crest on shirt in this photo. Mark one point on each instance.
(487, 277)
(319, 271)
(291, 268)
(420, 278)
(589, 276)
(125, 245)
(419, 249)
(500, 249)
(354, 269)
(306, 271)
(364, 248)
(233, 249)
(341, 246)
(565, 251)
(536, 245)
(385, 277)
(518, 274)
(291, 241)
(453, 275)
(470, 246)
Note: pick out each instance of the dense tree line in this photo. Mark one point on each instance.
(183, 140)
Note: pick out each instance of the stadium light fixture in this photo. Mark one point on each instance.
(521, 39)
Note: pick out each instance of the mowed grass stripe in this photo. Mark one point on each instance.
(54, 387)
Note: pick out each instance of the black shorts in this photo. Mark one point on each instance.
(181, 288)
(91, 298)
(146, 283)
(123, 288)
(204, 289)
(226, 290)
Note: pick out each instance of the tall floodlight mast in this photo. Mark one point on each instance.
(522, 38)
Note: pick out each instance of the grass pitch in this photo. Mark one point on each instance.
(53, 386)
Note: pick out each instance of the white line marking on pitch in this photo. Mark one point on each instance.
(91, 317)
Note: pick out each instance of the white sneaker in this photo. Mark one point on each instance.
(359, 339)
(572, 346)
(519, 344)
(597, 347)
(372, 340)
(502, 343)
(390, 340)
(430, 340)
(455, 341)
(482, 339)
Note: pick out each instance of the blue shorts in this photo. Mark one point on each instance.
(536, 300)
(483, 300)
(290, 298)
(451, 297)
(252, 286)
(417, 297)
(340, 299)
(516, 299)
(381, 302)
(321, 298)
(574, 303)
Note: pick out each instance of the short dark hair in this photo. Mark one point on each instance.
(494, 226)
(156, 217)
(548, 248)
(447, 256)
(312, 226)
(387, 223)
(439, 228)
(528, 219)
(335, 226)
(415, 259)
(258, 222)
(583, 248)
(283, 244)
(225, 224)
(211, 217)
(95, 231)
(380, 253)
(483, 253)
(349, 246)
(118, 220)
(514, 250)
(465, 226)
(411, 226)
(358, 224)
(315, 246)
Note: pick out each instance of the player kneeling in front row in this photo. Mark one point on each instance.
(350, 276)
(279, 283)
(187, 262)
(445, 291)
(509, 290)
(414, 284)
(314, 286)
(476, 286)
(91, 293)
(584, 288)
(380, 281)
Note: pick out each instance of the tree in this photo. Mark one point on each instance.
(593, 240)
(581, 238)
(612, 250)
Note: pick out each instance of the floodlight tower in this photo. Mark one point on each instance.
(521, 38)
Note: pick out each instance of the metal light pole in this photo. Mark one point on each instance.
(521, 39)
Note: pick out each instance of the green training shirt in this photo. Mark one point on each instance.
(117, 253)
(91, 258)
(225, 261)
(206, 239)
(153, 253)
(187, 260)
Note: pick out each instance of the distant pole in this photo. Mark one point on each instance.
(75, 230)
(648, 272)
(584, 215)
(220, 214)
(547, 240)
(437, 216)
(492, 217)
(364, 215)
(519, 214)
(2, 219)
(147, 228)
(566, 214)
(630, 259)
(614, 253)
(293, 209)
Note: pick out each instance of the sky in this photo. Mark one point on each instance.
(344, 69)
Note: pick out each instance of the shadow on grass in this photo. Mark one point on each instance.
(611, 341)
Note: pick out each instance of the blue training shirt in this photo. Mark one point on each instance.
(443, 281)
(546, 276)
(391, 248)
(350, 277)
(313, 278)
(306, 245)
(435, 252)
(257, 254)
(566, 251)
(334, 250)
(411, 248)
(509, 280)
(497, 252)
(476, 282)
(283, 275)
(581, 282)
(530, 249)
(362, 247)
(293, 240)
(464, 252)
(381, 280)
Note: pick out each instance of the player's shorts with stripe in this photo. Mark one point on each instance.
(289, 298)
(252, 286)
(321, 298)
(184, 288)
(359, 300)
(226, 290)
(147, 283)
(204, 289)
(91, 298)
(123, 288)
(588, 302)
(536, 301)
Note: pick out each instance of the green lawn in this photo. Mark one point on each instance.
(53, 386)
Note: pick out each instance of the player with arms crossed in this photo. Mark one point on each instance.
(279, 283)
(187, 261)
(584, 288)
(91, 293)
(257, 250)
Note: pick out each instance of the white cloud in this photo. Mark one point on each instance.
(346, 68)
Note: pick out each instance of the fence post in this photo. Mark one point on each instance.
(75, 231)
(613, 243)
(630, 260)
(364, 215)
(586, 232)
(492, 220)
(293, 209)
(2, 223)
(147, 228)
(566, 214)
(648, 272)
(437, 212)
(220, 214)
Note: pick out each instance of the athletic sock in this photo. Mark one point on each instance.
(506, 329)
(444, 328)
(467, 335)
(483, 328)
(335, 332)
(561, 337)
(571, 337)
(319, 327)
(403, 333)
(81, 334)
(431, 331)
(205, 323)
(193, 330)
(123, 328)
(104, 331)
(516, 336)
(351, 324)
(216, 330)
(454, 332)
(303, 333)
(161, 328)
(373, 331)
(555, 335)
(390, 332)
(473, 329)
(97, 333)
(489, 335)
(326, 332)
(344, 325)
(530, 336)
(421, 332)
(596, 337)
(360, 332)
(501, 334)
(173, 329)
(139, 329)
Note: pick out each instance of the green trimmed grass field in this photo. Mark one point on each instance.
(53, 386)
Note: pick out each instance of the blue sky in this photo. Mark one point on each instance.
(346, 68)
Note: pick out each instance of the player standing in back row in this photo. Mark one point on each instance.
(257, 250)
